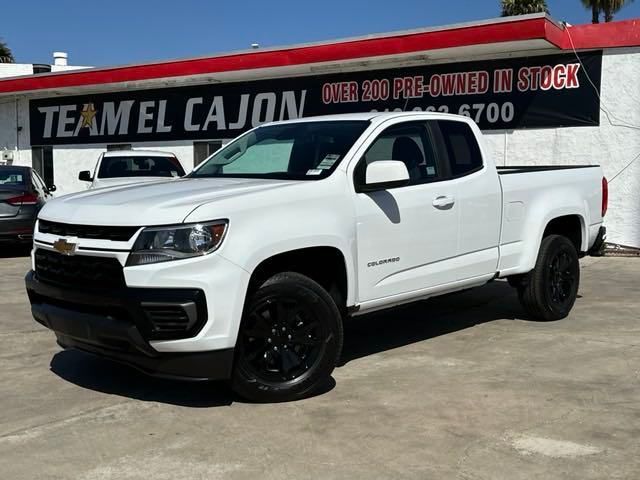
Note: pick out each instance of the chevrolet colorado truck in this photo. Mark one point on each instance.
(246, 268)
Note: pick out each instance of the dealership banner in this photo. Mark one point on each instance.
(515, 93)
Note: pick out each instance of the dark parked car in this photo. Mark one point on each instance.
(22, 194)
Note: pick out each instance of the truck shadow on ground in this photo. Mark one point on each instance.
(431, 318)
(104, 376)
(364, 336)
(15, 251)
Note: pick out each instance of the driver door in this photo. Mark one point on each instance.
(407, 236)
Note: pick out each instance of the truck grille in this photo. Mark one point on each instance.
(80, 270)
(116, 234)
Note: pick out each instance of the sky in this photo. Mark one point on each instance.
(115, 32)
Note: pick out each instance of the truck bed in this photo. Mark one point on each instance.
(544, 193)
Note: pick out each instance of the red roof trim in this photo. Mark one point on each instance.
(404, 43)
(617, 34)
(604, 35)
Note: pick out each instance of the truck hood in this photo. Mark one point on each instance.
(154, 203)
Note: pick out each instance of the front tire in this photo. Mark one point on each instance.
(550, 290)
(289, 342)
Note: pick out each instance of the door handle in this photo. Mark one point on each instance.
(444, 202)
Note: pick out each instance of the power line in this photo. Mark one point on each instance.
(602, 105)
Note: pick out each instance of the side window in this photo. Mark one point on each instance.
(459, 148)
(203, 150)
(409, 143)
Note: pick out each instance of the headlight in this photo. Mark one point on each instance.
(162, 244)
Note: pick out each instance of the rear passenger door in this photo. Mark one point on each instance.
(478, 197)
(406, 236)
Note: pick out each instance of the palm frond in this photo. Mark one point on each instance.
(5, 53)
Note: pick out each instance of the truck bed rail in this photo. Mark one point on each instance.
(538, 168)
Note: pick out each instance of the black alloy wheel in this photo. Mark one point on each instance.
(562, 276)
(282, 338)
(550, 290)
(289, 341)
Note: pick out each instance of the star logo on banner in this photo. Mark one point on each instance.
(88, 114)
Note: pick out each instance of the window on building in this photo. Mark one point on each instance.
(202, 150)
(118, 146)
(41, 68)
(42, 162)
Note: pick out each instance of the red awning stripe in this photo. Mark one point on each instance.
(616, 34)
(406, 43)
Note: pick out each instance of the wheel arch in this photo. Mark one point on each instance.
(571, 226)
(569, 222)
(326, 265)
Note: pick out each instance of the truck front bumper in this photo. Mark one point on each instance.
(118, 325)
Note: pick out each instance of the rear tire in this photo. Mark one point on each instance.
(289, 341)
(549, 291)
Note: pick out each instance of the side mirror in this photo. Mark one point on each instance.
(385, 174)
(52, 188)
(85, 176)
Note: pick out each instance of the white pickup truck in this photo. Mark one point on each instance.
(122, 167)
(246, 268)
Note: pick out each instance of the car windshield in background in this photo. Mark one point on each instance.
(12, 177)
(139, 166)
(295, 151)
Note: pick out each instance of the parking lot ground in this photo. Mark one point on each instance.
(455, 387)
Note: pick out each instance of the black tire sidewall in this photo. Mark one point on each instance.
(558, 245)
(534, 293)
(247, 383)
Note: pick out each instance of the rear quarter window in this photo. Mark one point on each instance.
(460, 148)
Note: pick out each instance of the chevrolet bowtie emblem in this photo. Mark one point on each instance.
(64, 247)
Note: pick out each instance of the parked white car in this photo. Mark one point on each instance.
(246, 268)
(122, 167)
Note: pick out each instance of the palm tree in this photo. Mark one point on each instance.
(523, 7)
(594, 5)
(5, 53)
(608, 7)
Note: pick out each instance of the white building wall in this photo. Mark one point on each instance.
(19, 69)
(15, 69)
(614, 144)
(14, 129)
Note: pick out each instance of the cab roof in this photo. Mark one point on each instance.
(138, 153)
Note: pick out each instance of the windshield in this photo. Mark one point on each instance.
(139, 166)
(293, 151)
(12, 177)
